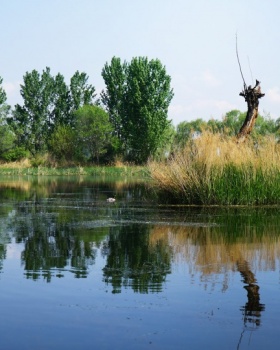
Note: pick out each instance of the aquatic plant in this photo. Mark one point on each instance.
(215, 169)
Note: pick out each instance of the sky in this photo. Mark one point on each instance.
(195, 41)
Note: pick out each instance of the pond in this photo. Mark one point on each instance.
(78, 272)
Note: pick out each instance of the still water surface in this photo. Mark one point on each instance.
(77, 272)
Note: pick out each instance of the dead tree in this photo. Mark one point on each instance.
(252, 96)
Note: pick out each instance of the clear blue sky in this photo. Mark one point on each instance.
(195, 40)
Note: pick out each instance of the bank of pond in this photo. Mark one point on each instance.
(210, 170)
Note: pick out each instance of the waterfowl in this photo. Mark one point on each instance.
(111, 199)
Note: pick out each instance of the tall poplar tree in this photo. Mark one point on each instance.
(6, 135)
(114, 75)
(48, 102)
(3, 96)
(137, 98)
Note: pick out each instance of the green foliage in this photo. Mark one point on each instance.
(35, 118)
(62, 143)
(3, 96)
(114, 75)
(7, 137)
(40, 160)
(232, 122)
(137, 98)
(14, 154)
(47, 102)
(245, 185)
(187, 130)
(81, 92)
(229, 125)
(165, 147)
(94, 132)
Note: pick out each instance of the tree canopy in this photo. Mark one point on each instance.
(137, 98)
(94, 131)
(47, 102)
(3, 96)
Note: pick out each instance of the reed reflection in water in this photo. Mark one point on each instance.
(209, 251)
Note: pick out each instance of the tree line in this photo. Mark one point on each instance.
(127, 121)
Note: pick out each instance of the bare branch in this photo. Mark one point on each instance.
(245, 86)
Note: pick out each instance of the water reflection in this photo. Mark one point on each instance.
(251, 311)
(212, 251)
(133, 263)
(63, 225)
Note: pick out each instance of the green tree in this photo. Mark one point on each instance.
(94, 132)
(3, 96)
(62, 143)
(60, 108)
(114, 75)
(8, 149)
(164, 151)
(32, 120)
(81, 92)
(232, 122)
(277, 129)
(47, 102)
(188, 130)
(265, 125)
(7, 137)
(137, 98)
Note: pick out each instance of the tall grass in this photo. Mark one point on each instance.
(214, 169)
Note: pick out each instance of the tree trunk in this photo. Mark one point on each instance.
(252, 96)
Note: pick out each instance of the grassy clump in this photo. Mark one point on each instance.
(215, 170)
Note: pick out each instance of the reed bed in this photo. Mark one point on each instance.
(215, 170)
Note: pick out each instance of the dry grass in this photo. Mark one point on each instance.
(214, 166)
(22, 164)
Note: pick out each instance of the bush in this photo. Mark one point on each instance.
(62, 143)
(15, 154)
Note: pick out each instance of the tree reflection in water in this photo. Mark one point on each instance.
(252, 309)
(132, 262)
(50, 244)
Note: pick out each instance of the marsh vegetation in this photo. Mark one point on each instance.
(213, 169)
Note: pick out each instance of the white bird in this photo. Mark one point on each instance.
(111, 199)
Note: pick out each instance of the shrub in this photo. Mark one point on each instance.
(15, 154)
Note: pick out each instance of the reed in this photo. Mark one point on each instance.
(215, 170)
